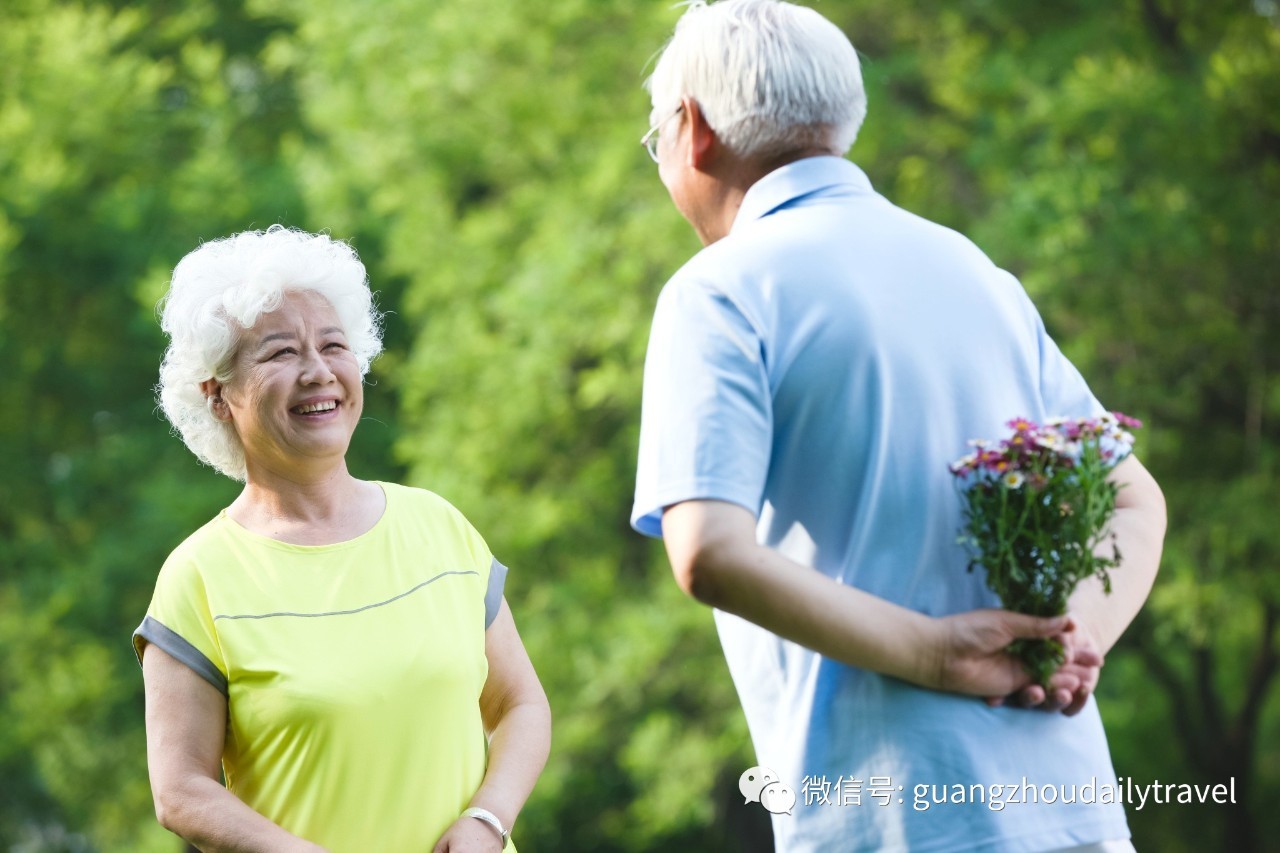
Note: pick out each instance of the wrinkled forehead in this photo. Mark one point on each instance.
(305, 310)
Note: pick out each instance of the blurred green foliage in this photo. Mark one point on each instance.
(1123, 158)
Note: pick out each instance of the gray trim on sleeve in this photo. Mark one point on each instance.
(493, 595)
(156, 633)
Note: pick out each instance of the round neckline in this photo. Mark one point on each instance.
(244, 532)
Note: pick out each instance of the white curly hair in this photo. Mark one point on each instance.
(221, 289)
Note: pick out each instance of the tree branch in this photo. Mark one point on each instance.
(1182, 703)
(1163, 25)
(1261, 674)
(1206, 688)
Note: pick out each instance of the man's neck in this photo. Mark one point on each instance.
(733, 177)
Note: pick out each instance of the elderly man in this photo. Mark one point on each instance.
(810, 374)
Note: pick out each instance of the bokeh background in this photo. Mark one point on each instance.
(1121, 156)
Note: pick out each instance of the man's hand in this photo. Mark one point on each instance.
(972, 659)
(1073, 683)
(717, 560)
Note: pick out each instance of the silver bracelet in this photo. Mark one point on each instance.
(491, 819)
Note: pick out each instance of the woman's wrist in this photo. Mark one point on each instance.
(491, 820)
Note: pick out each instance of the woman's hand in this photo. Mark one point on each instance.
(468, 835)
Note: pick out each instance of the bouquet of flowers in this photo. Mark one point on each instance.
(1037, 508)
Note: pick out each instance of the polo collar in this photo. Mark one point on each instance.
(794, 180)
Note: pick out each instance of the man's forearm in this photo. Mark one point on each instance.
(1139, 527)
(717, 560)
(806, 607)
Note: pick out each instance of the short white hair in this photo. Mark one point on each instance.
(221, 289)
(770, 77)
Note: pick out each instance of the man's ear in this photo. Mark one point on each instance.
(212, 390)
(704, 145)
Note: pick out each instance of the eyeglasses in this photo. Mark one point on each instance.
(650, 139)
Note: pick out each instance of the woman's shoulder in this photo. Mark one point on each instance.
(428, 511)
(206, 546)
(204, 537)
(414, 495)
(418, 501)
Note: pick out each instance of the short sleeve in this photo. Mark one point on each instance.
(180, 622)
(1063, 389)
(493, 591)
(706, 426)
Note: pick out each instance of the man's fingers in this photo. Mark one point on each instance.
(1079, 648)
(1077, 704)
(1085, 656)
(1033, 627)
(1070, 687)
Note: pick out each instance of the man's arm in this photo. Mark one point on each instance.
(1139, 526)
(716, 560)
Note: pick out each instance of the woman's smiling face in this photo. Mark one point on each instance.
(296, 392)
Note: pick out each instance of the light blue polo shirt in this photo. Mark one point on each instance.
(821, 366)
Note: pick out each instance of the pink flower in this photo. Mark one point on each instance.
(990, 459)
(1126, 421)
(1035, 506)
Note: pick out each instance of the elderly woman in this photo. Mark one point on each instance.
(339, 649)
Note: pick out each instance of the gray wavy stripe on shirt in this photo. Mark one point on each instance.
(492, 598)
(159, 634)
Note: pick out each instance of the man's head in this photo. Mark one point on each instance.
(771, 78)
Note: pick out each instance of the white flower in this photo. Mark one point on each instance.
(1050, 440)
(1013, 479)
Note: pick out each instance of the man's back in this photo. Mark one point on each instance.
(821, 366)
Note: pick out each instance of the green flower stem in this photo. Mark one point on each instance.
(1039, 540)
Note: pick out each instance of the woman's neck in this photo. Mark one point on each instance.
(325, 510)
